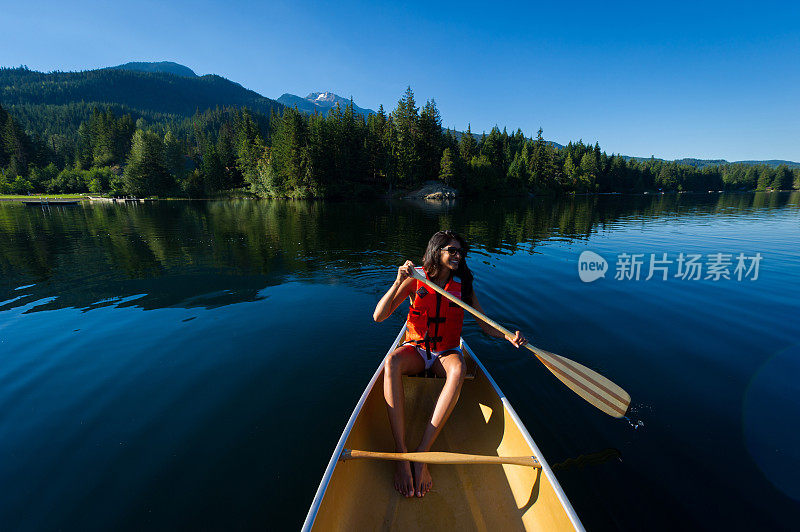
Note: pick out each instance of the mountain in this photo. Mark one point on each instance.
(771, 162)
(702, 163)
(153, 92)
(320, 102)
(302, 105)
(164, 67)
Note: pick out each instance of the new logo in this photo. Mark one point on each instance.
(591, 266)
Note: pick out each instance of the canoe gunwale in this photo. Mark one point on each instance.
(573, 517)
(326, 478)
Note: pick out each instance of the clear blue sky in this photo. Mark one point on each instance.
(695, 79)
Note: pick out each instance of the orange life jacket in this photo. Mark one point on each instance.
(434, 322)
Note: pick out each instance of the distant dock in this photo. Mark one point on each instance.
(49, 202)
(99, 199)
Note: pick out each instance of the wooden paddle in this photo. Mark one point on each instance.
(593, 387)
(442, 458)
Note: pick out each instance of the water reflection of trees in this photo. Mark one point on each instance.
(217, 253)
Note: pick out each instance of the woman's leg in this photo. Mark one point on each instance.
(404, 360)
(453, 368)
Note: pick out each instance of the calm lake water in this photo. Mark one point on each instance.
(192, 364)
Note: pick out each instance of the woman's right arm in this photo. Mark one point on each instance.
(401, 288)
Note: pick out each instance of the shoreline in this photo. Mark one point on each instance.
(407, 197)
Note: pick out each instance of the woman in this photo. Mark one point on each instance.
(432, 342)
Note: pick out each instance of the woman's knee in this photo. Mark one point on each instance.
(392, 362)
(457, 368)
(397, 360)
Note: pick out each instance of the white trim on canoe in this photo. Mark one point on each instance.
(312, 512)
(573, 517)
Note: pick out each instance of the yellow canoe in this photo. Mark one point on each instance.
(359, 494)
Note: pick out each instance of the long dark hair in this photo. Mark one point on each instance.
(432, 261)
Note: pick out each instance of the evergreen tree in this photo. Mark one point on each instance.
(765, 178)
(492, 148)
(289, 153)
(174, 158)
(212, 170)
(570, 172)
(406, 121)
(146, 170)
(783, 178)
(377, 146)
(101, 132)
(589, 169)
(249, 147)
(16, 146)
(447, 168)
(430, 140)
(668, 178)
(540, 163)
(518, 175)
(467, 145)
(751, 178)
(83, 153)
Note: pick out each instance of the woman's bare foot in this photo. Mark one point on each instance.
(403, 482)
(422, 479)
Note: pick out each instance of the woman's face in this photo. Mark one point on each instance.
(452, 260)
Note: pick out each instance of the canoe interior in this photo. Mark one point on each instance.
(361, 496)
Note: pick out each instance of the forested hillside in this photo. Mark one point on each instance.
(153, 92)
(167, 67)
(141, 133)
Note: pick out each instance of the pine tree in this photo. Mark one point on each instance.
(249, 147)
(570, 172)
(518, 172)
(289, 152)
(174, 156)
(447, 168)
(16, 145)
(212, 170)
(467, 145)
(406, 120)
(589, 170)
(83, 151)
(376, 145)
(765, 178)
(101, 129)
(783, 178)
(430, 140)
(492, 148)
(4, 155)
(668, 178)
(751, 179)
(227, 157)
(539, 163)
(146, 171)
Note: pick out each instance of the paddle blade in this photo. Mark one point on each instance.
(593, 387)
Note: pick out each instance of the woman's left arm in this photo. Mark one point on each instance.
(518, 340)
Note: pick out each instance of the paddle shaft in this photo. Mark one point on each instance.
(442, 458)
(591, 386)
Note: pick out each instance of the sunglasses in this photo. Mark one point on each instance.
(453, 250)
